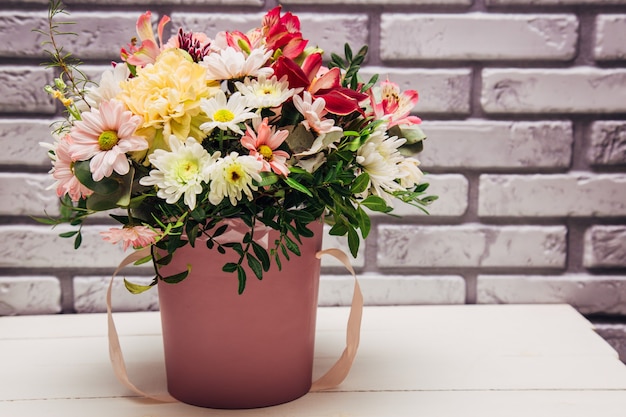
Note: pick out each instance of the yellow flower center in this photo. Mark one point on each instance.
(235, 173)
(269, 90)
(186, 170)
(266, 152)
(223, 116)
(107, 140)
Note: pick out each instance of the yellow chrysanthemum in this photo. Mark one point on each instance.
(167, 95)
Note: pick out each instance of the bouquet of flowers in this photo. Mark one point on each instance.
(182, 134)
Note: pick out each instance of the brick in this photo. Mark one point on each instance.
(27, 195)
(328, 31)
(558, 195)
(17, 38)
(341, 242)
(589, 294)
(609, 39)
(552, 2)
(445, 91)
(445, 37)
(337, 290)
(29, 295)
(615, 335)
(607, 143)
(90, 294)
(153, 3)
(27, 246)
(452, 190)
(518, 145)
(571, 90)
(471, 246)
(382, 2)
(21, 90)
(605, 247)
(20, 138)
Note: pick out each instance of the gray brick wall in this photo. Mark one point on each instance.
(524, 103)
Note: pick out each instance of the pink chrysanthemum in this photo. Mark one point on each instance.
(264, 144)
(63, 172)
(135, 236)
(105, 135)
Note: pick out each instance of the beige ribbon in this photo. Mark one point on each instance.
(333, 377)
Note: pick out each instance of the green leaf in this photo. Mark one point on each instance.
(241, 277)
(338, 229)
(297, 186)
(68, 234)
(78, 240)
(83, 174)
(267, 178)
(353, 241)
(375, 203)
(138, 289)
(360, 184)
(365, 223)
(292, 246)
(302, 216)
(230, 267)
(174, 279)
(255, 265)
(262, 255)
(165, 260)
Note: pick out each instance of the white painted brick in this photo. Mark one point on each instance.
(492, 144)
(100, 35)
(588, 293)
(605, 247)
(471, 246)
(452, 190)
(26, 246)
(328, 31)
(21, 90)
(470, 36)
(381, 2)
(152, 3)
(341, 242)
(553, 2)
(337, 290)
(90, 294)
(27, 195)
(19, 140)
(610, 35)
(29, 295)
(17, 38)
(607, 143)
(558, 195)
(571, 90)
(445, 91)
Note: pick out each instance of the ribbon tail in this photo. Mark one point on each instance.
(115, 350)
(339, 371)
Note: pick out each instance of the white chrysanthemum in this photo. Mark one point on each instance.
(225, 114)
(410, 174)
(229, 64)
(266, 92)
(380, 158)
(232, 177)
(181, 171)
(109, 86)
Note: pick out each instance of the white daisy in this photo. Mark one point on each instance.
(229, 64)
(181, 171)
(380, 158)
(232, 177)
(266, 92)
(225, 114)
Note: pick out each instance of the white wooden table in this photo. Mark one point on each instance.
(422, 361)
